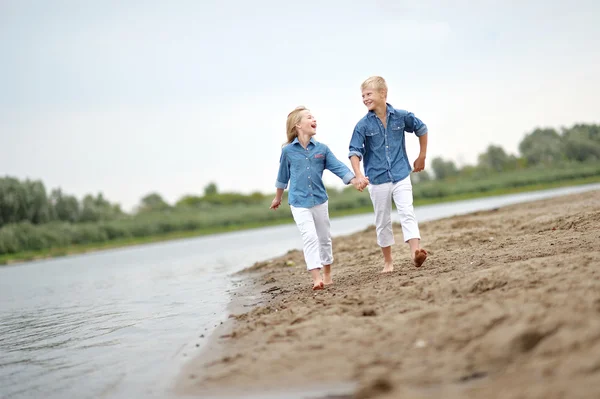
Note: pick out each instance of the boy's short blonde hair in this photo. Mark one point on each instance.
(374, 82)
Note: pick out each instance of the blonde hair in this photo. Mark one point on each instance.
(374, 82)
(293, 119)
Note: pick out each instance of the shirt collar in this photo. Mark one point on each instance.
(390, 110)
(312, 140)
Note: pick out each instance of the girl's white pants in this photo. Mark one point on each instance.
(401, 193)
(314, 227)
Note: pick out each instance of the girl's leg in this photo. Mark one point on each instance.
(321, 217)
(381, 196)
(410, 229)
(304, 220)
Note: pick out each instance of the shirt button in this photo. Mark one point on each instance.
(309, 177)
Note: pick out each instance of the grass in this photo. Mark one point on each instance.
(119, 243)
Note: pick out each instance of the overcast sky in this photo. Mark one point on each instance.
(129, 97)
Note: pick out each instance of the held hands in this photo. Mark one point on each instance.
(275, 203)
(419, 164)
(360, 183)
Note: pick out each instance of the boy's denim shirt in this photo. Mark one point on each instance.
(303, 168)
(384, 150)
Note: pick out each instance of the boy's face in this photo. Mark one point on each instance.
(373, 98)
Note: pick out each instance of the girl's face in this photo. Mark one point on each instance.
(307, 124)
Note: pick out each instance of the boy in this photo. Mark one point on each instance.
(378, 140)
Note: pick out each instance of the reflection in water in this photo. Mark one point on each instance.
(119, 323)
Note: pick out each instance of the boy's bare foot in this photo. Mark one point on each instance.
(419, 257)
(318, 286)
(388, 268)
(327, 280)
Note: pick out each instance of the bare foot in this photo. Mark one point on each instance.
(388, 268)
(420, 256)
(327, 280)
(318, 286)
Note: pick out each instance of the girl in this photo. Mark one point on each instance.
(302, 162)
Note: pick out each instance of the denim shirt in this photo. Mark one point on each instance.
(384, 150)
(303, 168)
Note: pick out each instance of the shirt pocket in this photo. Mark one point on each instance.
(318, 162)
(298, 163)
(397, 127)
(374, 138)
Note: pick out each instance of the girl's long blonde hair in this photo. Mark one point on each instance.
(293, 119)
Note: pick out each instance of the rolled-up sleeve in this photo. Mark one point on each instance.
(357, 144)
(414, 125)
(283, 176)
(337, 167)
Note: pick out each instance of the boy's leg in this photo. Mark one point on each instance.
(403, 198)
(381, 196)
(321, 217)
(304, 220)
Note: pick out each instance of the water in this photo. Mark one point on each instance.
(120, 323)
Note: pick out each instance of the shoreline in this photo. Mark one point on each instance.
(488, 314)
(28, 256)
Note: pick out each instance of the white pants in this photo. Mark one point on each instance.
(381, 196)
(313, 224)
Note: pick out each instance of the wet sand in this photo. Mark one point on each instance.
(506, 306)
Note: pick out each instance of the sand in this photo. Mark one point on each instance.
(506, 306)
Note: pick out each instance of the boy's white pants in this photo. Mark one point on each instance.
(314, 226)
(401, 193)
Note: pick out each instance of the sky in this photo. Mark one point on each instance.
(132, 97)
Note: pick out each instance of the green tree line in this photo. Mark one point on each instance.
(31, 219)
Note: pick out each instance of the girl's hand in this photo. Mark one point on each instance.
(275, 204)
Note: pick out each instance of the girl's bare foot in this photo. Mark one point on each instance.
(419, 257)
(317, 280)
(327, 280)
(388, 267)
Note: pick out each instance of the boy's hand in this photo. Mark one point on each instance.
(419, 164)
(360, 183)
(275, 203)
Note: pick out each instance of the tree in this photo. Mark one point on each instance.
(94, 209)
(496, 159)
(582, 143)
(64, 207)
(210, 189)
(443, 169)
(153, 202)
(542, 146)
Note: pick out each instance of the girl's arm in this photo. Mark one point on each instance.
(277, 200)
(337, 167)
(283, 177)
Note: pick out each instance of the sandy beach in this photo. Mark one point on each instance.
(506, 306)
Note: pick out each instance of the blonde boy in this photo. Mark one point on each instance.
(378, 140)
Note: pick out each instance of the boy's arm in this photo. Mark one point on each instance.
(415, 125)
(357, 151)
(419, 164)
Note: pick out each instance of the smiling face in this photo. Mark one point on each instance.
(307, 124)
(373, 98)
